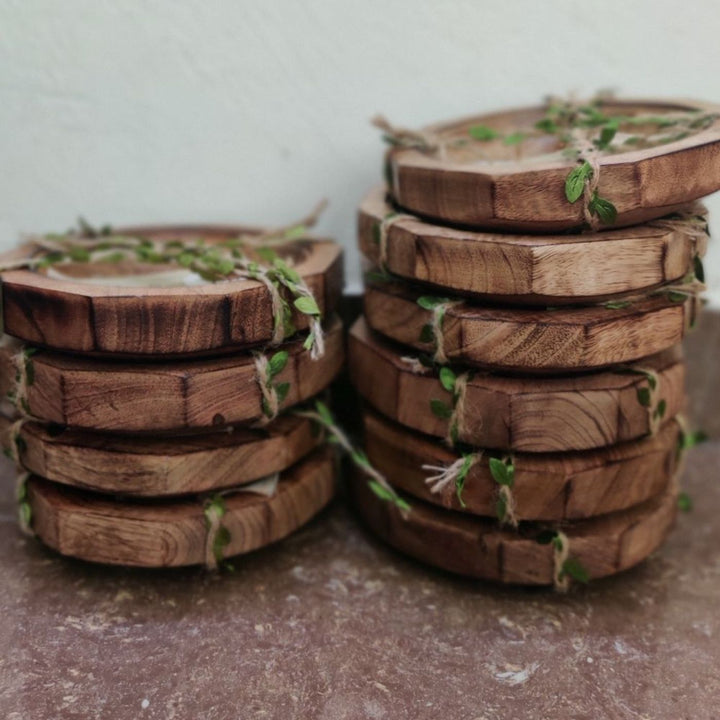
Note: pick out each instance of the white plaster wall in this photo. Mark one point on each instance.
(252, 110)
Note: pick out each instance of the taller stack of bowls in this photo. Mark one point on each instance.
(534, 273)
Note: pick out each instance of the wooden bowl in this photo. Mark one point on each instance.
(477, 547)
(528, 269)
(74, 312)
(163, 466)
(530, 340)
(126, 397)
(522, 187)
(547, 486)
(522, 414)
(173, 532)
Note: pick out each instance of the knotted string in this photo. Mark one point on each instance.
(443, 480)
(263, 377)
(414, 365)
(456, 422)
(436, 326)
(587, 152)
(384, 228)
(405, 137)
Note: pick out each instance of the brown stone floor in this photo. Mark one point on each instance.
(331, 624)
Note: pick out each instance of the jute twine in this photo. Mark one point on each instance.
(587, 152)
(414, 365)
(214, 515)
(654, 418)
(214, 511)
(405, 137)
(442, 480)
(505, 492)
(561, 552)
(271, 406)
(384, 228)
(456, 422)
(360, 461)
(436, 324)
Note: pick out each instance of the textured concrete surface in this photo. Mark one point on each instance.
(332, 624)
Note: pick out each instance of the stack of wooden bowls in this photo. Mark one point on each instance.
(154, 398)
(520, 356)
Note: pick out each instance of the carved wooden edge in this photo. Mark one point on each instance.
(173, 533)
(162, 467)
(527, 269)
(217, 317)
(478, 548)
(522, 414)
(531, 196)
(533, 340)
(99, 394)
(549, 487)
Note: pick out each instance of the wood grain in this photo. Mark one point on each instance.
(99, 394)
(524, 414)
(550, 486)
(173, 532)
(533, 340)
(478, 548)
(226, 316)
(167, 466)
(489, 185)
(528, 269)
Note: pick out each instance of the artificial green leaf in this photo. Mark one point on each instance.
(428, 302)
(225, 267)
(643, 396)
(307, 305)
(575, 181)
(547, 125)
(309, 340)
(185, 259)
(660, 409)
(25, 511)
(266, 254)
(324, 413)
(426, 334)
(281, 390)
(617, 304)
(277, 362)
(501, 508)
(447, 378)
(607, 134)
(699, 269)
(503, 473)
(514, 138)
(685, 503)
(286, 271)
(604, 209)
(575, 569)
(482, 132)
(382, 492)
(377, 276)
(79, 254)
(674, 296)
(440, 409)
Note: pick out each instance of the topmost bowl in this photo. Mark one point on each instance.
(508, 170)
